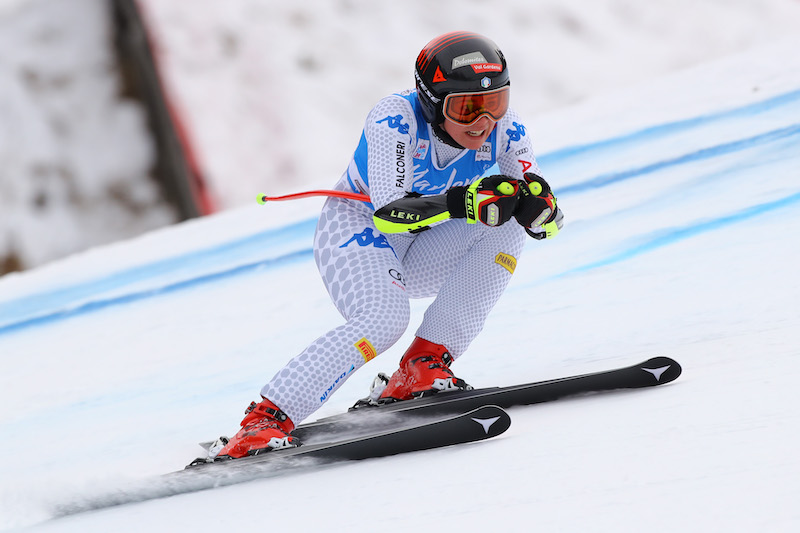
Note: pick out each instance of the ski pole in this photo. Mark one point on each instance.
(263, 198)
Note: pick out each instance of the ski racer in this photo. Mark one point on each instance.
(437, 226)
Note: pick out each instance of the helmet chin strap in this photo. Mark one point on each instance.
(445, 137)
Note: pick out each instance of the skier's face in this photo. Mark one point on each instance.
(472, 136)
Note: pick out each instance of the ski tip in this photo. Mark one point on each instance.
(663, 369)
(493, 419)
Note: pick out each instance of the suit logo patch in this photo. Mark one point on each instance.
(368, 351)
(506, 261)
(422, 149)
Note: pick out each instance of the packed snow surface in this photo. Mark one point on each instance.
(682, 202)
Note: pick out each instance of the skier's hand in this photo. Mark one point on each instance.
(492, 200)
(536, 210)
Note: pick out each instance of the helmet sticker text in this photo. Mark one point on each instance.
(487, 67)
(468, 59)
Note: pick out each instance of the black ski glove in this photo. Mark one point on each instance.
(537, 211)
(492, 200)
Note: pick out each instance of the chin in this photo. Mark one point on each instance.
(472, 143)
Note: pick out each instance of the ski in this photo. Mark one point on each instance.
(653, 372)
(479, 424)
(409, 435)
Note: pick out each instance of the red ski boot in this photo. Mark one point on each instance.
(264, 428)
(424, 369)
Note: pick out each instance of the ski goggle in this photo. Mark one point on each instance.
(467, 108)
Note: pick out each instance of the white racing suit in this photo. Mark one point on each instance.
(371, 276)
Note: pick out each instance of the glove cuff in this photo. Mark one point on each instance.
(549, 228)
(456, 204)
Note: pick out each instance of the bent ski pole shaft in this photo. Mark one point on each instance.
(263, 198)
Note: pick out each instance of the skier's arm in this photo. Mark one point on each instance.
(390, 131)
(537, 211)
(411, 213)
(491, 200)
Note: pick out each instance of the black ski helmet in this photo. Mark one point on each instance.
(457, 62)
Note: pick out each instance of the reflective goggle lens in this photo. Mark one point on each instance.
(466, 108)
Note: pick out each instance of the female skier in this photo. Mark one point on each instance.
(436, 226)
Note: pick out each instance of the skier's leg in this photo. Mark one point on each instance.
(469, 282)
(364, 278)
(467, 267)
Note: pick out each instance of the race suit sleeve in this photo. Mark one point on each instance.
(515, 158)
(515, 150)
(391, 132)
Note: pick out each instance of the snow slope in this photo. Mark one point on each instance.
(252, 78)
(282, 77)
(681, 239)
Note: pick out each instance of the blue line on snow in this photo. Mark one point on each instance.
(225, 253)
(656, 242)
(141, 295)
(705, 153)
(660, 130)
(28, 306)
(679, 234)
